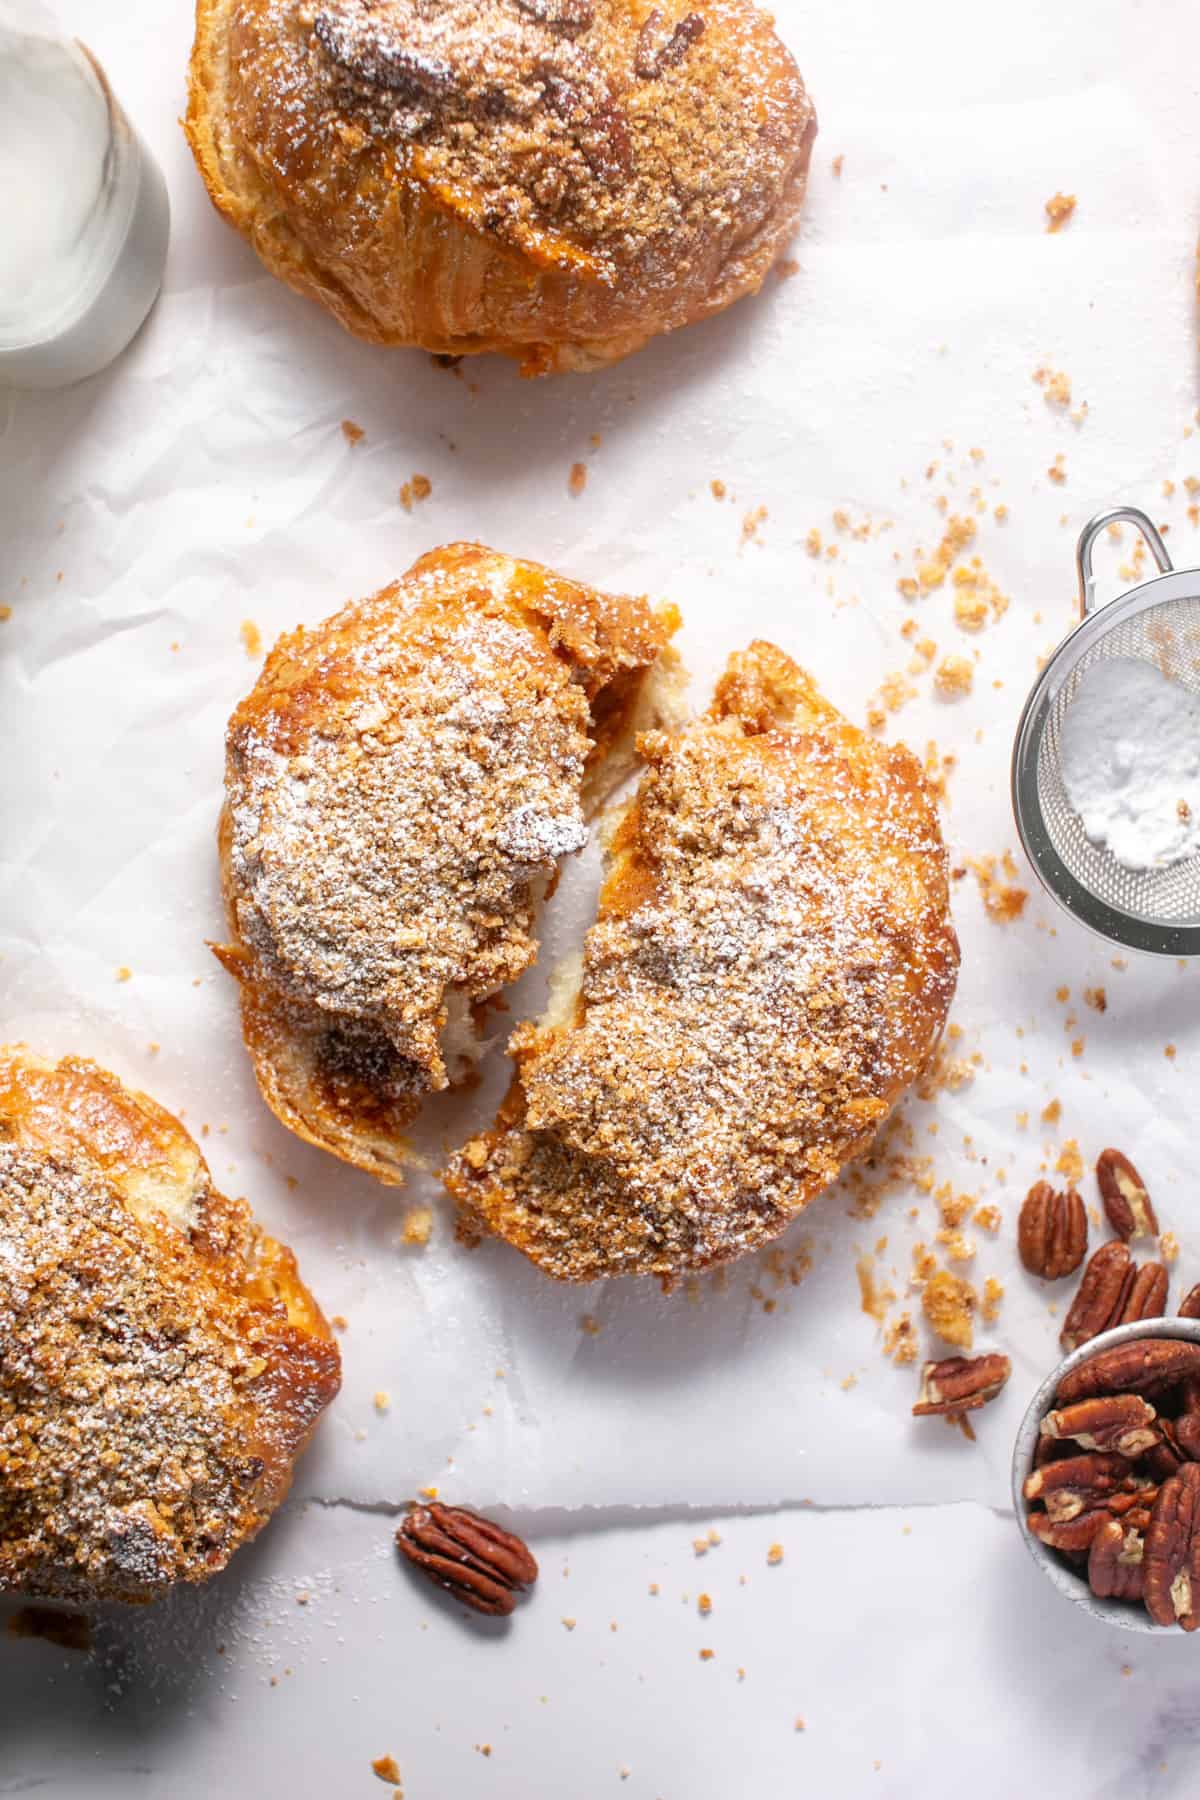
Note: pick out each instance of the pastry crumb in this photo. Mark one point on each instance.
(707, 1655)
(353, 434)
(251, 638)
(387, 1769)
(577, 479)
(704, 1605)
(751, 524)
(124, 973)
(838, 164)
(953, 678)
(717, 489)
(1057, 471)
(1003, 899)
(774, 1556)
(1059, 209)
(948, 1303)
(418, 1225)
(418, 488)
(383, 1401)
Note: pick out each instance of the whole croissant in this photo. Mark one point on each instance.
(558, 180)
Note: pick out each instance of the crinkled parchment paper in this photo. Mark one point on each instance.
(881, 388)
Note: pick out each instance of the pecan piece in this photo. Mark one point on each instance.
(366, 49)
(1115, 1562)
(568, 15)
(1106, 1281)
(1187, 1436)
(1076, 1484)
(1146, 1296)
(1165, 1458)
(1172, 1561)
(653, 54)
(1125, 1198)
(1189, 1306)
(961, 1384)
(1069, 1535)
(1120, 1422)
(1052, 1232)
(481, 1565)
(1144, 1367)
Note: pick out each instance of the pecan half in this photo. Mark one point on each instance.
(1125, 1198)
(1076, 1484)
(1120, 1422)
(1144, 1367)
(653, 54)
(1116, 1562)
(961, 1384)
(1052, 1232)
(1189, 1306)
(1165, 1458)
(1106, 1281)
(481, 1565)
(1068, 1534)
(1172, 1561)
(1186, 1434)
(1146, 1297)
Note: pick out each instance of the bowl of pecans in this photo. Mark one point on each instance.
(1105, 1488)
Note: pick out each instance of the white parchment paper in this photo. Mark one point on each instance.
(882, 387)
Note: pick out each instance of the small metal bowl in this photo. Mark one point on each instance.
(1121, 1613)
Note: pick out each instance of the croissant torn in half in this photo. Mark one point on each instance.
(161, 1363)
(771, 966)
(400, 786)
(559, 180)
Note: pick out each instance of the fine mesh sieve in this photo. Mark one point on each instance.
(1158, 623)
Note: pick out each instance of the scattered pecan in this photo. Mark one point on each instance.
(1125, 1198)
(961, 1384)
(1146, 1297)
(1115, 1562)
(1189, 1307)
(1076, 1484)
(1069, 1535)
(1144, 1366)
(653, 54)
(481, 1565)
(1172, 1560)
(1101, 1296)
(1120, 1422)
(1052, 1232)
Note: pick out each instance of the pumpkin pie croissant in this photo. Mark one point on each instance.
(400, 787)
(161, 1363)
(558, 180)
(771, 966)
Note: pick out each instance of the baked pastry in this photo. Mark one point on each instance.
(771, 966)
(161, 1363)
(559, 180)
(400, 785)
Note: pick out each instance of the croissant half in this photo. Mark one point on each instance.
(558, 180)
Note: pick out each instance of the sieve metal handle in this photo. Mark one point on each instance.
(1087, 538)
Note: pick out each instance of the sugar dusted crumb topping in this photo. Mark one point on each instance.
(772, 948)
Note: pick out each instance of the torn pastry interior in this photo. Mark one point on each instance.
(161, 1363)
(558, 180)
(401, 786)
(772, 965)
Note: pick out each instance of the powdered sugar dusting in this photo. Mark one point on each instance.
(780, 976)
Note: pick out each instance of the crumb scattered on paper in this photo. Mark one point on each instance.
(353, 434)
(414, 491)
(752, 523)
(577, 479)
(418, 1224)
(251, 638)
(1002, 897)
(954, 678)
(1058, 210)
(387, 1769)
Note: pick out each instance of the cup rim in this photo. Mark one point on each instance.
(1119, 1613)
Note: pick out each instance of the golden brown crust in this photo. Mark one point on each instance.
(400, 785)
(558, 180)
(161, 1363)
(771, 966)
